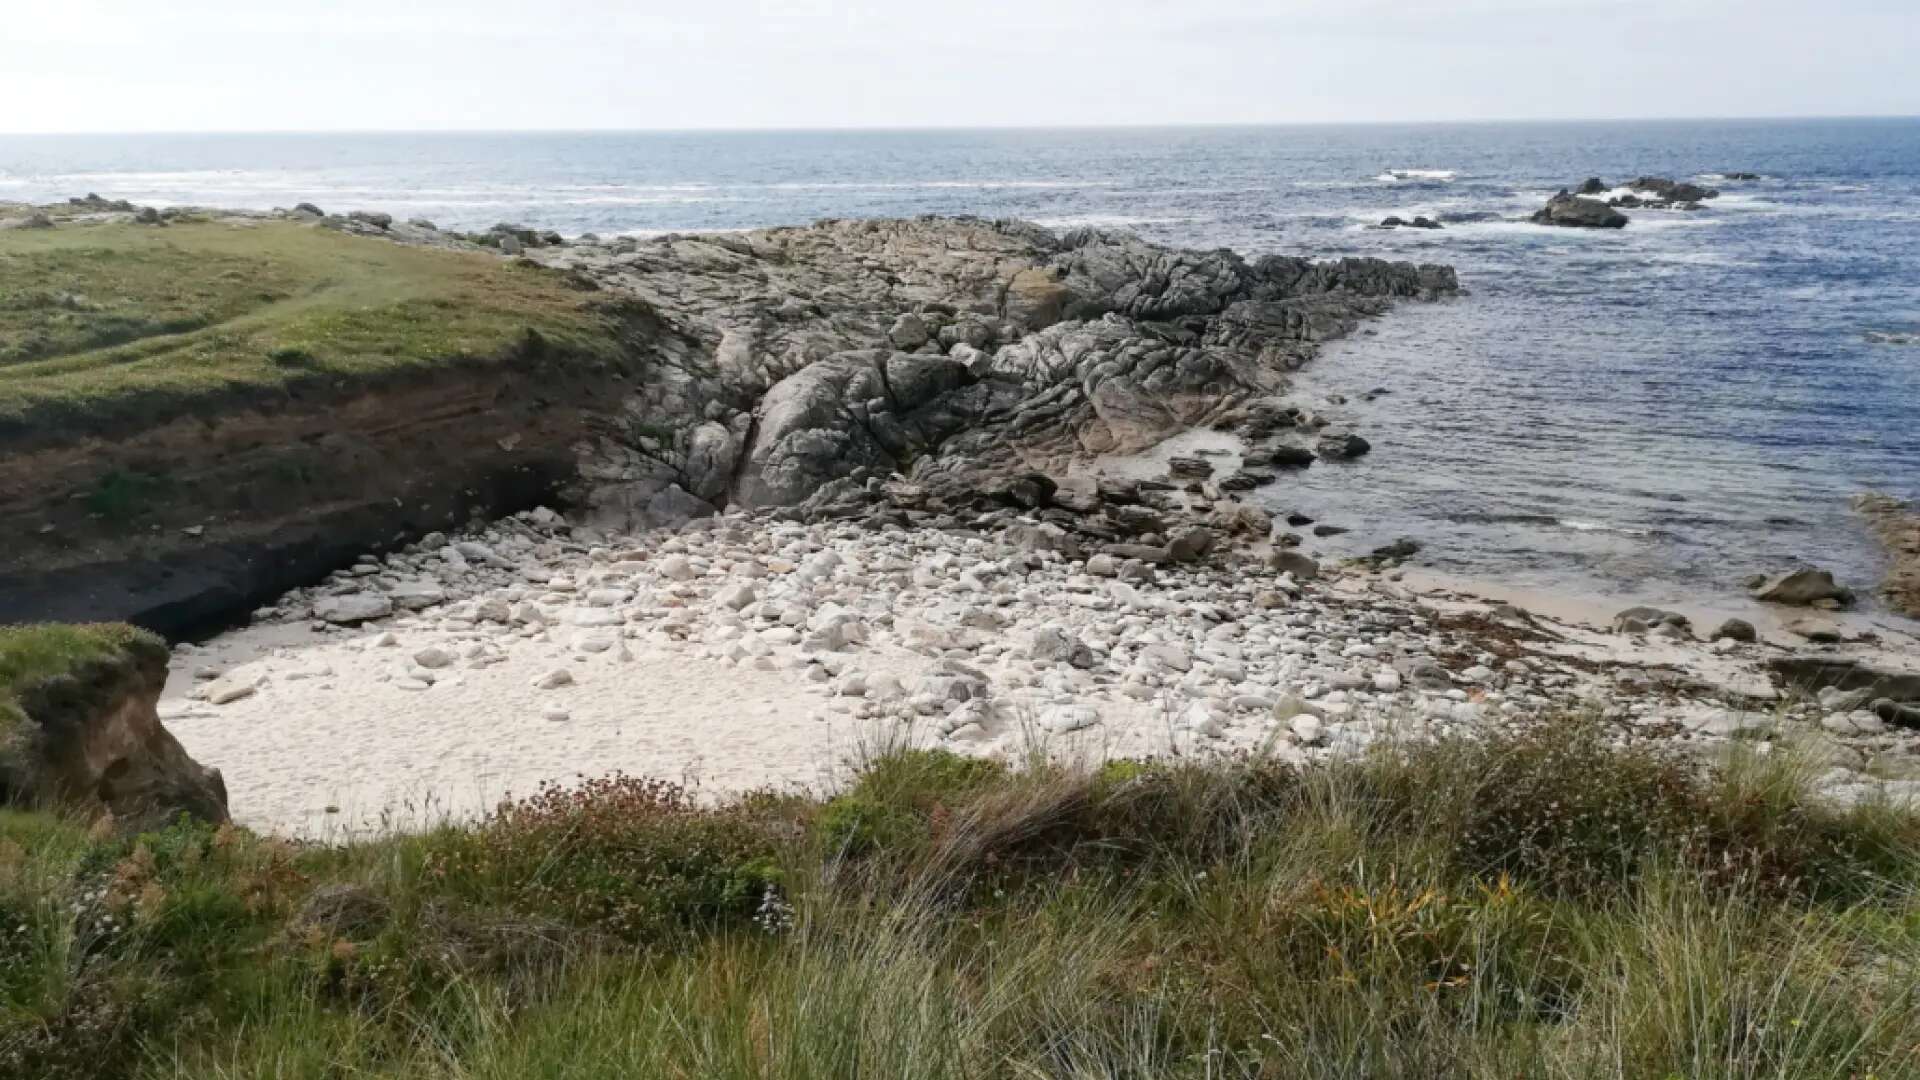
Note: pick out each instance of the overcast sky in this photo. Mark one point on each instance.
(275, 65)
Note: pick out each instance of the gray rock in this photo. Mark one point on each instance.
(1643, 620)
(1343, 447)
(352, 608)
(433, 658)
(909, 332)
(1735, 630)
(1803, 588)
(1301, 567)
(1062, 719)
(1573, 211)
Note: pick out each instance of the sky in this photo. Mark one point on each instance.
(415, 65)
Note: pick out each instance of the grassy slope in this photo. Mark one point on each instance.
(1540, 906)
(106, 323)
(32, 654)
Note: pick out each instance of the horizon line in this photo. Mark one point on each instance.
(907, 129)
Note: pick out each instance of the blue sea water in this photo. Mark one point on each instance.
(1658, 411)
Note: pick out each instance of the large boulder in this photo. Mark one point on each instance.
(858, 409)
(1804, 588)
(1574, 211)
(80, 728)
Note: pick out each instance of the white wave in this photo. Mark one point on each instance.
(650, 234)
(1394, 175)
(1595, 526)
(1107, 221)
(1656, 221)
(940, 185)
(1739, 201)
(1699, 258)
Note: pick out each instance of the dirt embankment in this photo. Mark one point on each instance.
(185, 526)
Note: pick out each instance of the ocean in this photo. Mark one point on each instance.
(1653, 413)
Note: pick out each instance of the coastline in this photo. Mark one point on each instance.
(748, 654)
(911, 473)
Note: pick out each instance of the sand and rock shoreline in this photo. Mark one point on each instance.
(854, 495)
(745, 652)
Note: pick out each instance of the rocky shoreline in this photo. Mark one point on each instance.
(858, 465)
(790, 367)
(745, 651)
(1897, 526)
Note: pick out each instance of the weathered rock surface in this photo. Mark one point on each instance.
(1804, 588)
(1576, 211)
(1646, 620)
(89, 738)
(1897, 526)
(798, 366)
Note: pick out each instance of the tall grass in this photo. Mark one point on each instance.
(1540, 905)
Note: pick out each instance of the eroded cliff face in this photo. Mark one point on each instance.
(958, 351)
(88, 738)
(793, 367)
(187, 525)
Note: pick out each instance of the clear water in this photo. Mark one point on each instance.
(1660, 410)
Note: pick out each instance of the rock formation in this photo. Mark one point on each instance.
(1804, 588)
(79, 728)
(796, 362)
(1897, 526)
(769, 368)
(1576, 211)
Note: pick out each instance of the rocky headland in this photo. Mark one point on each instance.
(667, 378)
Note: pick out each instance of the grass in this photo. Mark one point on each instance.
(1536, 905)
(33, 654)
(110, 324)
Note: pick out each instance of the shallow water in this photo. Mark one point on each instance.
(1667, 408)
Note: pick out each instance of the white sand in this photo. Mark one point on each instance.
(329, 743)
(327, 731)
(331, 732)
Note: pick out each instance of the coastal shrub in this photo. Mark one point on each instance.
(897, 799)
(629, 856)
(1559, 808)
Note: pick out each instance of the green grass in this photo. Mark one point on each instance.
(103, 324)
(32, 654)
(1539, 905)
